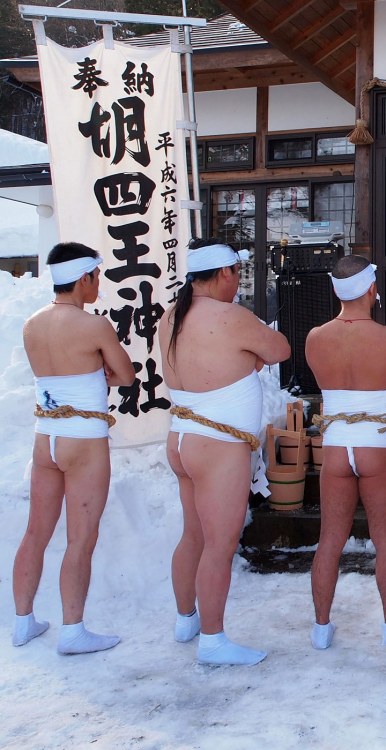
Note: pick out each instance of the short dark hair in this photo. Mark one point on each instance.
(64, 251)
(349, 266)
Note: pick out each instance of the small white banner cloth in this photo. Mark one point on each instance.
(119, 175)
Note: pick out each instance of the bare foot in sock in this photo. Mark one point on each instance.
(75, 639)
(26, 628)
(187, 627)
(217, 649)
(322, 635)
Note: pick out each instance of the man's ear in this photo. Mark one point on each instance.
(85, 278)
(227, 271)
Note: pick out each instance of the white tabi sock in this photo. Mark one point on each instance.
(75, 639)
(322, 635)
(187, 626)
(218, 649)
(26, 628)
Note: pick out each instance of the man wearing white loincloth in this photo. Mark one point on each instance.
(74, 357)
(348, 358)
(211, 351)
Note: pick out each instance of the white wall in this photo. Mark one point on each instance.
(299, 106)
(231, 111)
(48, 230)
(379, 39)
(291, 107)
(22, 231)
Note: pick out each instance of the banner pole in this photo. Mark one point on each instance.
(192, 133)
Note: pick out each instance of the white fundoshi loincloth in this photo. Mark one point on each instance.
(357, 434)
(238, 404)
(87, 392)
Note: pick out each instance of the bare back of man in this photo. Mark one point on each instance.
(219, 346)
(69, 351)
(348, 358)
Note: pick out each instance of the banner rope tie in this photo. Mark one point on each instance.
(183, 413)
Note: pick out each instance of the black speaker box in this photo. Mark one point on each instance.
(305, 300)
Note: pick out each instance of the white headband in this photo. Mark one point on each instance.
(355, 286)
(72, 270)
(214, 256)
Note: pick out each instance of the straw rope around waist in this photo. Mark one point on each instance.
(66, 411)
(183, 413)
(362, 416)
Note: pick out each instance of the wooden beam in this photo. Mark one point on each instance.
(349, 63)
(364, 72)
(336, 44)
(315, 28)
(239, 58)
(297, 6)
(257, 22)
(250, 6)
(232, 79)
(25, 75)
(261, 126)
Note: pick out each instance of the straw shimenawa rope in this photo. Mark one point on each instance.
(360, 136)
(319, 419)
(64, 412)
(183, 413)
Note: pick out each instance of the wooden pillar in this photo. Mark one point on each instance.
(261, 125)
(364, 72)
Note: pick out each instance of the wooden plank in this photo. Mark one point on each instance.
(337, 43)
(258, 22)
(261, 125)
(247, 79)
(322, 23)
(221, 59)
(364, 68)
(293, 9)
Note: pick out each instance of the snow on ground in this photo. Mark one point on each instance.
(149, 693)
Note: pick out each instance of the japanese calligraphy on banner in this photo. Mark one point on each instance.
(119, 174)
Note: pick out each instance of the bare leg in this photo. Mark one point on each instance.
(339, 498)
(46, 497)
(188, 552)
(371, 465)
(221, 474)
(86, 466)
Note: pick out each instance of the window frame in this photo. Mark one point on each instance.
(236, 166)
(314, 159)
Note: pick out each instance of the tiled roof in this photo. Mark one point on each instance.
(223, 31)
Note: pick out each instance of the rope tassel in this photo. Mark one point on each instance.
(361, 136)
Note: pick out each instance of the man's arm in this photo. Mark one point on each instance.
(269, 345)
(117, 363)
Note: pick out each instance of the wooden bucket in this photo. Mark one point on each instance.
(317, 451)
(289, 450)
(286, 483)
(288, 446)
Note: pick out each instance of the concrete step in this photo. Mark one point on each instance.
(292, 529)
(284, 561)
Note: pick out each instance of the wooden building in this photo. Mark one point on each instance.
(278, 88)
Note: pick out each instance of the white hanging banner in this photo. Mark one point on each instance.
(119, 175)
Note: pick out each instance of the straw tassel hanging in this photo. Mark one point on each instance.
(361, 136)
